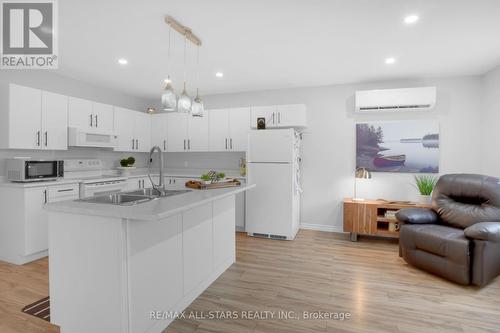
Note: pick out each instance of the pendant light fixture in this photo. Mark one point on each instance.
(168, 98)
(197, 109)
(184, 102)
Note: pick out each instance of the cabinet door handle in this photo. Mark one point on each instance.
(46, 138)
(139, 183)
(91, 121)
(38, 138)
(136, 143)
(164, 144)
(189, 144)
(96, 121)
(66, 190)
(273, 117)
(45, 196)
(184, 144)
(231, 143)
(279, 117)
(226, 143)
(133, 144)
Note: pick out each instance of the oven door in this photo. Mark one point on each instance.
(102, 188)
(34, 170)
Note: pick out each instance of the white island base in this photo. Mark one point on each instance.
(109, 274)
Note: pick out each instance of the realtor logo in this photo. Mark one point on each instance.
(29, 39)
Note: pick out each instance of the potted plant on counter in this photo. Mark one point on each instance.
(425, 185)
(126, 165)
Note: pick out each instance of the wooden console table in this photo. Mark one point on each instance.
(374, 217)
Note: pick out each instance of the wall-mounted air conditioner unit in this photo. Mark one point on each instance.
(423, 98)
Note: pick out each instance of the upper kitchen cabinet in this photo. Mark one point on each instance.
(186, 133)
(103, 116)
(33, 119)
(198, 133)
(88, 115)
(159, 130)
(281, 116)
(177, 135)
(133, 129)
(228, 129)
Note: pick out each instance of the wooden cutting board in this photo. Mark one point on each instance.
(200, 185)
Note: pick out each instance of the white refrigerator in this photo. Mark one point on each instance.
(273, 164)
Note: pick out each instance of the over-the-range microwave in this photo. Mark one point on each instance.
(28, 170)
(84, 138)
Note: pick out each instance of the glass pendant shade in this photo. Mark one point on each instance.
(168, 99)
(184, 102)
(197, 109)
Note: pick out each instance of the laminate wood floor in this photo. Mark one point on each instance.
(318, 272)
(324, 272)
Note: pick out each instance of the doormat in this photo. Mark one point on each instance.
(39, 309)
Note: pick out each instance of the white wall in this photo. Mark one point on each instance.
(490, 131)
(329, 141)
(50, 81)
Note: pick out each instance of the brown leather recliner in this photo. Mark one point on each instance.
(459, 239)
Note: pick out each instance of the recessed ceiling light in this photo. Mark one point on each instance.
(168, 80)
(219, 74)
(410, 19)
(122, 61)
(390, 61)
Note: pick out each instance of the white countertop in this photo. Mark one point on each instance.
(137, 173)
(153, 210)
(46, 183)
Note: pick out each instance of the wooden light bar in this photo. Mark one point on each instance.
(183, 30)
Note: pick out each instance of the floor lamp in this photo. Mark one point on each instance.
(361, 173)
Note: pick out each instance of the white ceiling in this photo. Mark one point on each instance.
(271, 44)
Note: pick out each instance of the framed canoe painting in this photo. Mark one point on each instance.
(398, 146)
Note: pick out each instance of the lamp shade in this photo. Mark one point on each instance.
(168, 99)
(363, 173)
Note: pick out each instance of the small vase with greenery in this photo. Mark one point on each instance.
(127, 164)
(425, 185)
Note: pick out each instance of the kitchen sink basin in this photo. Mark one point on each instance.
(156, 193)
(120, 199)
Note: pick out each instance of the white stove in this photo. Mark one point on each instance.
(92, 181)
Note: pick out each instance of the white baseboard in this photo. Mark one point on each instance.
(321, 227)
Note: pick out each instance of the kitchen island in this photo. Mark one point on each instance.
(112, 268)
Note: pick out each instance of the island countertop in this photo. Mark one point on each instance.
(152, 210)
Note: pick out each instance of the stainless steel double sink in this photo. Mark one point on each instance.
(133, 197)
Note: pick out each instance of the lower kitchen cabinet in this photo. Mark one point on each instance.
(24, 229)
(138, 183)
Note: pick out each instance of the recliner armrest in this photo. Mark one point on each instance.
(488, 231)
(417, 216)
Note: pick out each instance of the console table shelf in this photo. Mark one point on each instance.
(374, 217)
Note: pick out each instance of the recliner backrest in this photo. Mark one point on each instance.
(462, 200)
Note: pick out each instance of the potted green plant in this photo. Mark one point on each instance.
(212, 177)
(425, 185)
(126, 164)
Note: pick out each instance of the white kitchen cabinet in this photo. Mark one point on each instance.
(142, 132)
(54, 126)
(228, 129)
(133, 129)
(177, 132)
(266, 112)
(218, 129)
(159, 130)
(24, 230)
(103, 117)
(198, 133)
(197, 245)
(91, 116)
(175, 183)
(33, 119)
(223, 231)
(280, 116)
(239, 125)
(162, 289)
(80, 113)
(138, 183)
